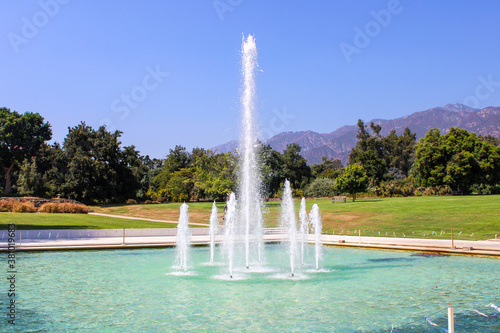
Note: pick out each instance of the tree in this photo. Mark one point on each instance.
(272, 171)
(98, 169)
(43, 175)
(328, 168)
(353, 180)
(215, 175)
(369, 152)
(459, 159)
(295, 166)
(21, 137)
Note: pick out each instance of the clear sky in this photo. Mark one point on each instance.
(168, 72)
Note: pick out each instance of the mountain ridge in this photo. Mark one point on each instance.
(338, 143)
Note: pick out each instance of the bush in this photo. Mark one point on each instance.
(321, 187)
(485, 189)
(16, 206)
(63, 207)
(24, 207)
(131, 202)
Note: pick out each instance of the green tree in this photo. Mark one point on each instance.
(353, 180)
(369, 152)
(21, 137)
(43, 175)
(215, 175)
(98, 169)
(272, 171)
(295, 166)
(328, 168)
(459, 159)
(177, 159)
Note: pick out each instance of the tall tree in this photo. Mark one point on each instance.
(295, 166)
(369, 152)
(21, 137)
(272, 171)
(98, 169)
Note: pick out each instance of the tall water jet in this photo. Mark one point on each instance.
(288, 222)
(315, 218)
(249, 180)
(304, 227)
(214, 227)
(229, 232)
(183, 238)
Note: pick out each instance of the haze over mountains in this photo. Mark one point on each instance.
(338, 144)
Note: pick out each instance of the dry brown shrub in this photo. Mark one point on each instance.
(63, 207)
(16, 206)
(23, 207)
(6, 205)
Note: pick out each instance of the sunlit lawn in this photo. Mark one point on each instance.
(422, 217)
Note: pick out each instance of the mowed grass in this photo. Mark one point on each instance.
(417, 217)
(471, 217)
(30, 221)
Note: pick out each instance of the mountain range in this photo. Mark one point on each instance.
(338, 144)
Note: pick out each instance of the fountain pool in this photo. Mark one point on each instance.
(356, 291)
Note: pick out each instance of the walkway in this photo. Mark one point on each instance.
(143, 238)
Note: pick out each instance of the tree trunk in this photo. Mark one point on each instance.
(353, 197)
(8, 177)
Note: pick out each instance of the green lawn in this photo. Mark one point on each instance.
(25, 221)
(478, 216)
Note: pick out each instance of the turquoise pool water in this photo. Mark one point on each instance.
(357, 291)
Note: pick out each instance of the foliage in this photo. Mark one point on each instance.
(295, 166)
(98, 169)
(459, 159)
(383, 157)
(320, 187)
(21, 137)
(353, 180)
(16, 206)
(272, 171)
(63, 207)
(328, 168)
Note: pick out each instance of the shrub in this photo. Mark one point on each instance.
(24, 207)
(321, 187)
(63, 207)
(16, 206)
(131, 202)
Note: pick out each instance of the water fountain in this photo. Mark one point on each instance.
(229, 232)
(304, 228)
(249, 200)
(183, 238)
(316, 223)
(288, 223)
(214, 227)
(243, 241)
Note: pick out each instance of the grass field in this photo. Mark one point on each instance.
(420, 217)
(26, 221)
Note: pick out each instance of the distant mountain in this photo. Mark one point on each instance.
(338, 144)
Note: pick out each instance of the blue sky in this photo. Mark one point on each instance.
(168, 72)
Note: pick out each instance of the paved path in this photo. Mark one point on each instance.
(488, 247)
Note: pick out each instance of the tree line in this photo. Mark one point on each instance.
(92, 166)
